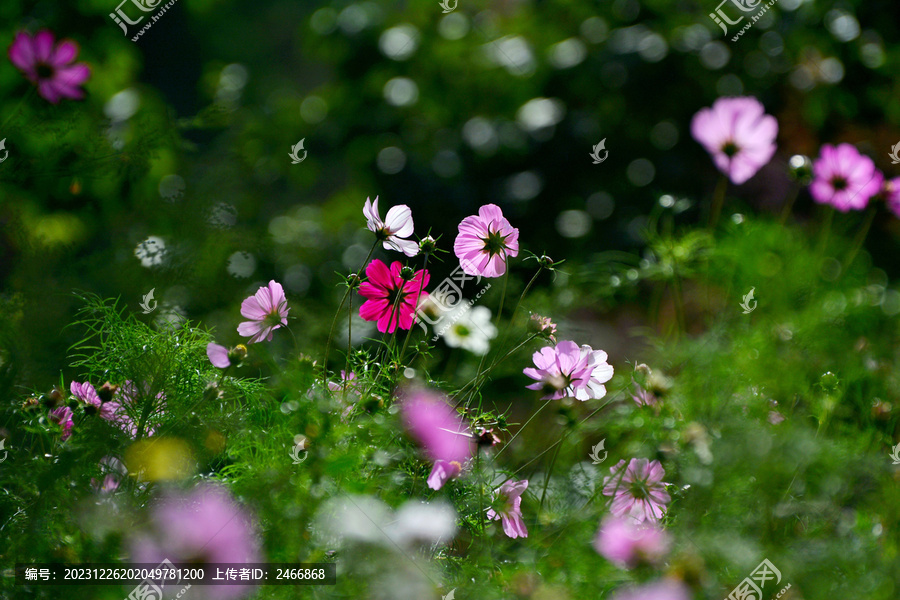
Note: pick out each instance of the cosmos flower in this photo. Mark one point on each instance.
(348, 381)
(125, 399)
(638, 490)
(662, 589)
(570, 370)
(201, 526)
(844, 178)
(436, 425)
(113, 470)
(644, 397)
(267, 310)
(381, 293)
(397, 225)
(62, 416)
(890, 193)
(470, 329)
(738, 134)
(543, 326)
(508, 504)
(221, 357)
(49, 66)
(441, 472)
(625, 543)
(485, 241)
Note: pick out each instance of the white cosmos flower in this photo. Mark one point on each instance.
(397, 225)
(470, 329)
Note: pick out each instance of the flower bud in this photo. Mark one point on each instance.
(545, 261)
(641, 374)
(237, 354)
(407, 273)
(427, 245)
(801, 168)
(107, 391)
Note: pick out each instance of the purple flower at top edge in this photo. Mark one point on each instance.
(738, 134)
(662, 589)
(49, 65)
(844, 178)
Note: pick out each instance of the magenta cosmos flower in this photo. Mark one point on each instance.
(844, 178)
(625, 543)
(202, 526)
(49, 66)
(382, 290)
(62, 416)
(485, 241)
(573, 371)
(508, 508)
(738, 134)
(436, 425)
(638, 490)
(397, 225)
(267, 310)
(663, 589)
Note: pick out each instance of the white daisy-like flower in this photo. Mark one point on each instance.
(470, 329)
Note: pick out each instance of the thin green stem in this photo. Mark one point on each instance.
(789, 205)
(418, 296)
(860, 237)
(493, 364)
(717, 201)
(18, 107)
(549, 473)
(826, 230)
(337, 314)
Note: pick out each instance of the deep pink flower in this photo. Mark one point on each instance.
(49, 66)
(202, 526)
(267, 310)
(86, 393)
(638, 491)
(622, 541)
(397, 225)
(441, 472)
(381, 291)
(570, 370)
(890, 191)
(662, 589)
(485, 241)
(436, 425)
(738, 134)
(508, 500)
(62, 416)
(844, 178)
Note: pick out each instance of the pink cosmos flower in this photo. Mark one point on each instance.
(663, 589)
(890, 191)
(622, 541)
(570, 370)
(441, 472)
(381, 291)
(49, 66)
(485, 241)
(436, 425)
(221, 357)
(543, 326)
(347, 382)
(62, 416)
(508, 499)
(201, 526)
(267, 310)
(113, 470)
(638, 491)
(844, 178)
(738, 134)
(644, 397)
(397, 225)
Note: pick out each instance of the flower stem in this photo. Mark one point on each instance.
(717, 201)
(789, 205)
(860, 237)
(418, 298)
(826, 230)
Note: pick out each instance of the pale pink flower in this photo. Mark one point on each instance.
(397, 225)
(662, 589)
(543, 326)
(436, 425)
(49, 66)
(267, 310)
(738, 134)
(348, 381)
(644, 397)
(381, 292)
(485, 241)
(113, 470)
(638, 490)
(508, 503)
(441, 472)
(570, 371)
(844, 178)
(624, 542)
(222, 357)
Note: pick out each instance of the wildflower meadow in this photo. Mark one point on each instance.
(443, 301)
